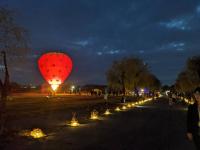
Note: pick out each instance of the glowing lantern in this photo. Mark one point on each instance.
(124, 107)
(37, 133)
(55, 68)
(94, 115)
(74, 121)
(117, 109)
(107, 112)
(129, 106)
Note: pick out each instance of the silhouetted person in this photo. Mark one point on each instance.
(193, 120)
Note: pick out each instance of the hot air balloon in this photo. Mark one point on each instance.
(55, 67)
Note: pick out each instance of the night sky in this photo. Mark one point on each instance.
(164, 33)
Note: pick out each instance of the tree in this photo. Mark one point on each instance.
(183, 83)
(12, 42)
(193, 70)
(125, 74)
(150, 81)
(189, 78)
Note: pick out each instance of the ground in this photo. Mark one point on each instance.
(153, 125)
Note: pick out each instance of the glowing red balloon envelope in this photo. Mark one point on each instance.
(55, 68)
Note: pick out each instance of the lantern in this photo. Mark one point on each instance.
(37, 133)
(55, 68)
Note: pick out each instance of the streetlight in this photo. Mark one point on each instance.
(72, 88)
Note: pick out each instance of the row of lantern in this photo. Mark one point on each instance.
(188, 101)
(94, 114)
(38, 133)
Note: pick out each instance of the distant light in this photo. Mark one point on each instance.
(72, 87)
(33, 87)
(167, 92)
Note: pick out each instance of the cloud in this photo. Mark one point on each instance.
(110, 52)
(141, 51)
(83, 43)
(179, 23)
(198, 9)
(106, 50)
(178, 46)
(99, 53)
(111, 30)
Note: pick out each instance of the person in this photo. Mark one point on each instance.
(193, 119)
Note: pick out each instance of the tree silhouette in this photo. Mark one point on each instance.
(12, 42)
(130, 73)
(189, 78)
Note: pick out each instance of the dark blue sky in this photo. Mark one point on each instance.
(164, 33)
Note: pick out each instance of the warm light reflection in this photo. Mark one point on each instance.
(117, 109)
(37, 133)
(124, 107)
(188, 101)
(74, 122)
(107, 112)
(94, 115)
(54, 87)
(54, 84)
(129, 106)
